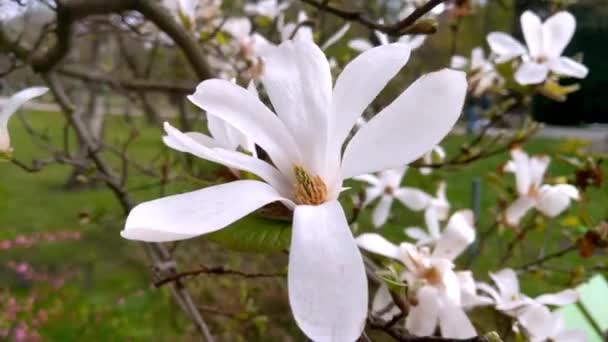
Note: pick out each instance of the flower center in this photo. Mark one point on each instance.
(309, 190)
(432, 276)
(389, 191)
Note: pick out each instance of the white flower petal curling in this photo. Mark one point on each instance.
(245, 112)
(8, 108)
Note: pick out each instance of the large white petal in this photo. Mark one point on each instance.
(568, 67)
(195, 213)
(518, 209)
(561, 298)
(298, 82)
(554, 199)
(422, 318)
(507, 283)
(454, 322)
(410, 126)
(505, 46)
(327, 282)
(383, 304)
(531, 73)
(413, 198)
(531, 27)
(558, 30)
(351, 97)
(382, 211)
(457, 236)
(202, 146)
(245, 112)
(375, 243)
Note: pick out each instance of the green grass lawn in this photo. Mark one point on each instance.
(108, 296)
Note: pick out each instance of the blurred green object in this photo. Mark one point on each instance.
(590, 314)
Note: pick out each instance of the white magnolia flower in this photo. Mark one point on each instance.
(361, 44)
(551, 200)
(432, 282)
(8, 108)
(546, 43)
(436, 154)
(326, 282)
(387, 186)
(266, 8)
(482, 74)
(542, 325)
(508, 299)
(437, 210)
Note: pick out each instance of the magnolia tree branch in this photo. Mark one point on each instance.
(70, 11)
(157, 252)
(134, 84)
(404, 26)
(220, 270)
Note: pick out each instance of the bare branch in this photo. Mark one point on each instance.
(216, 271)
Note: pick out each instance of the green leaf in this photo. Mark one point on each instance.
(254, 234)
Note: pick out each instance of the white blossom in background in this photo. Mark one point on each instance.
(437, 210)
(304, 142)
(550, 200)
(410, 6)
(387, 186)
(546, 43)
(437, 154)
(301, 30)
(432, 282)
(253, 46)
(507, 298)
(9, 107)
(361, 44)
(542, 325)
(266, 8)
(188, 12)
(25, 20)
(482, 73)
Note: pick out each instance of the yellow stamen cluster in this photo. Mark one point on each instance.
(309, 190)
(432, 276)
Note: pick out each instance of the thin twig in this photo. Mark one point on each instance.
(220, 270)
